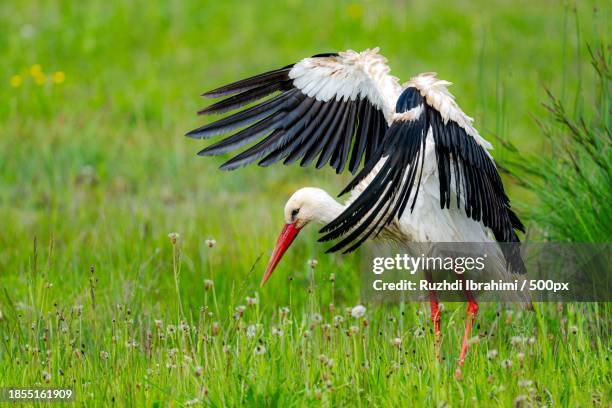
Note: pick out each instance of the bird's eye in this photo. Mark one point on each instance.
(294, 213)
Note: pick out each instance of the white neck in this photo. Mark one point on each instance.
(328, 210)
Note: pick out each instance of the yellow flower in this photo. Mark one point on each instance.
(40, 79)
(36, 70)
(59, 77)
(354, 11)
(16, 81)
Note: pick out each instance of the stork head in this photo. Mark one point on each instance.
(305, 205)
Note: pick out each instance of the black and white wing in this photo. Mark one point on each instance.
(318, 108)
(427, 113)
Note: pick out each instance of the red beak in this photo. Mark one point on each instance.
(285, 239)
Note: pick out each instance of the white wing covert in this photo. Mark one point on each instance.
(324, 106)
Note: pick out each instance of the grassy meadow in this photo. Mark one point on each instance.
(95, 173)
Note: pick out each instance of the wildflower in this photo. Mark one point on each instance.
(252, 301)
(358, 311)
(329, 363)
(332, 308)
(338, 319)
(506, 364)
(354, 329)
(277, 332)
(396, 342)
(210, 242)
(520, 357)
(516, 340)
(251, 331)
(171, 329)
(174, 236)
(332, 277)
(40, 79)
(418, 332)
(197, 371)
(1, 316)
(259, 350)
(46, 376)
(214, 328)
(531, 340)
(172, 352)
(35, 70)
(284, 311)
(323, 358)
(573, 329)
(208, 284)
(525, 383)
(492, 354)
(240, 310)
(58, 77)
(313, 263)
(520, 401)
(306, 334)
(16, 81)
(226, 349)
(103, 355)
(440, 307)
(317, 318)
(318, 394)
(326, 327)
(158, 323)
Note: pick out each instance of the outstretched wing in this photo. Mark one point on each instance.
(464, 167)
(324, 106)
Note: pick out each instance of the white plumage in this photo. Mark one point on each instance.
(427, 175)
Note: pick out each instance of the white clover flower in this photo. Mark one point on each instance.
(358, 311)
(531, 340)
(259, 350)
(317, 318)
(252, 301)
(492, 354)
(474, 340)
(208, 284)
(174, 236)
(306, 334)
(516, 340)
(397, 342)
(418, 332)
(103, 355)
(338, 319)
(525, 383)
(210, 242)
(277, 332)
(520, 356)
(506, 364)
(354, 329)
(573, 329)
(313, 263)
(251, 331)
(519, 401)
(198, 371)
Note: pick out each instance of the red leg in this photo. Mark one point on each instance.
(472, 310)
(435, 315)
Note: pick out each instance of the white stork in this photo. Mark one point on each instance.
(426, 176)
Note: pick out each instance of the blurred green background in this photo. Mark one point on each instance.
(92, 144)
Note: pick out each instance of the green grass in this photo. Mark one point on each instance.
(95, 173)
